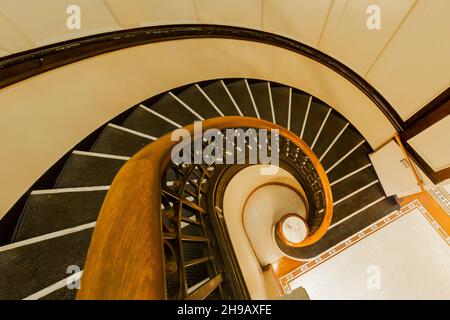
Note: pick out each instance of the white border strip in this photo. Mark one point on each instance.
(186, 106)
(306, 117)
(209, 100)
(66, 190)
(231, 98)
(137, 133)
(345, 156)
(100, 155)
(161, 116)
(334, 141)
(56, 286)
(47, 236)
(253, 100)
(197, 285)
(320, 129)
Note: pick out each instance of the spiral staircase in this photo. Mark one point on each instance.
(55, 226)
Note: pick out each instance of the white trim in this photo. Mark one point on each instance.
(356, 212)
(209, 100)
(334, 141)
(320, 129)
(100, 155)
(306, 117)
(355, 192)
(137, 133)
(161, 116)
(345, 156)
(186, 106)
(56, 286)
(197, 285)
(47, 236)
(350, 174)
(253, 100)
(231, 98)
(67, 190)
(289, 109)
(274, 120)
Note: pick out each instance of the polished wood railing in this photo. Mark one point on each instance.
(126, 255)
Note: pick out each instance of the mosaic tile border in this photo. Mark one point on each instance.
(442, 197)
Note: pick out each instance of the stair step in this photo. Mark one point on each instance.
(356, 202)
(332, 128)
(316, 116)
(218, 94)
(354, 161)
(146, 122)
(241, 95)
(193, 97)
(347, 141)
(280, 98)
(46, 213)
(120, 141)
(175, 110)
(352, 183)
(299, 105)
(83, 170)
(30, 268)
(260, 92)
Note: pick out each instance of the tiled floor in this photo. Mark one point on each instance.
(433, 206)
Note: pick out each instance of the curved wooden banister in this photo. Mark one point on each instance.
(126, 257)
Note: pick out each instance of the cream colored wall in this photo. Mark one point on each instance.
(406, 60)
(433, 144)
(45, 116)
(234, 200)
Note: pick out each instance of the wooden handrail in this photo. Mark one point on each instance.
(408, 160)
(126, 257)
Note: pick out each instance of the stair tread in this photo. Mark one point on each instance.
(172, 109)
(280, 98)
(316, 116)
(298, 111)
(217, 93)
(346, 142)
(197, 101)
(85, 171)
(46, 213)
(260, 92)
(354, 161)
(143, 121)
(120, 142)
(352, 183)
(28, 269)
(356, 202)
(330, 131)
(239, 91)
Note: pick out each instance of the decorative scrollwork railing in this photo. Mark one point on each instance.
(158, 231)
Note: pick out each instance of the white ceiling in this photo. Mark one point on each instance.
(407, 60)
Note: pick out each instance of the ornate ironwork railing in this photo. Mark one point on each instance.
(160, 233)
